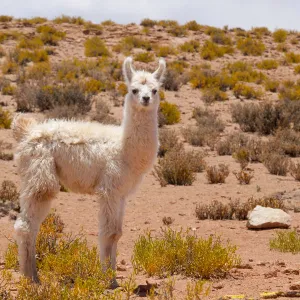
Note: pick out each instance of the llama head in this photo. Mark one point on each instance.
(143, 86)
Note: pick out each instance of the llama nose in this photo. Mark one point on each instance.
(146, 99)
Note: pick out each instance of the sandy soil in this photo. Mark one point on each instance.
(267, 270)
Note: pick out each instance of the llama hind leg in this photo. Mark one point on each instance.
(40, 184)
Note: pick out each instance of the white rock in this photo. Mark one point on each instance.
(266, 217)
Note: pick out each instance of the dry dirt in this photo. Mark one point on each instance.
(151, 203)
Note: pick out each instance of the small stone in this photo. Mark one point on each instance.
(218, 286)
(271, 274)
(121, 268)
(280, 263)
(291, 271)
(261, 263)
(295, 286)
(123, 262)
(245, 266)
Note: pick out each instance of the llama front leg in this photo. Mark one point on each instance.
(110, 231)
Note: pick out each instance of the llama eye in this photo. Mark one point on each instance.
(135, 91)
(154, 91)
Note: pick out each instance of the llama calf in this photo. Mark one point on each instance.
(86, 157)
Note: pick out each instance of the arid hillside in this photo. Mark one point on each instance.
(229, 124)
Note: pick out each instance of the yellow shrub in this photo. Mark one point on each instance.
(267, 64)
(148, 22)
(25, 56)
(211, 50)
(271, 85)
(246, 91)
(286, 241)
(49, 35)
(167, 23)
(250, 46)
(297, 69)
(175, 252)
(108, 23)
(170, 112)
(122, 89)
(91, 26)
(214, 94)
(34, 20)
(145, 57)
(177, 30)
(5, 119)
(8, 90)
(5, 19)
(219, 37)
(282, 47)
(162, 95)
(260, 31)
(190, 46)
(31, 44)
(94, 86)
(9, 67)
(67, 19)
(164, 51)
(292, 57)
(280, 35)
(193, 26)
(39, 70)
(130, 42)
(95, 47)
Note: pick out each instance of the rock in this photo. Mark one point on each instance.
(292, 200)
(266, 217)
(121, 268)
(271, 274)
(218, 286)
(245, 266)
(295, 286)
(291, 271)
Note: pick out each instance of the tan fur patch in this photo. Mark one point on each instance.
(143, 80)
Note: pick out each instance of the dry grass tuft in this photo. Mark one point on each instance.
(217, 174)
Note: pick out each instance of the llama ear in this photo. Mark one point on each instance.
(128, 70)
(160, 72)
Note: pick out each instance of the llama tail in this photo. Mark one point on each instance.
(21, 125)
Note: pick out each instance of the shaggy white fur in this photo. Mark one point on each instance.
(86, 157)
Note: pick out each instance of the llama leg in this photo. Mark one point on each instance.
(27, 227)
(40, 184)
(110, 231)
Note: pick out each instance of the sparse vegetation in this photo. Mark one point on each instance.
(148, 22)
(168, 140)
(217, 210)
(164, 51)
(244, 176)
(131, 42)
(217, 174)
(49, 35)
(145, 57)
(276, 164)
(246, 91)
(295, 170)
(183, 253)
(292, 57)
(190, 46)
(193, 26)
(213, 94)
(286, 241)
(178, 167)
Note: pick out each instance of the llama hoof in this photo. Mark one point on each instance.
(114, 284)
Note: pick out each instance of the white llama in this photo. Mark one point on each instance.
(86, 157)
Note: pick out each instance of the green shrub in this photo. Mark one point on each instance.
(93, 27)
(292, 57)
(22, 57)
(9, 67)
(170, 112)
(148, 22)
(261, 31)
(95, 47)
(190, 46)
(108, 23)
(246, 91)
(94, 86)
(220, 37)
(5, 119)
(193, 26)
(280, 35)
(217, 174)
(267, 64)
(178, 167)
(167, 23)
(286, 241)
(39, 70)
(210, 50)
(179, 253)
(249, 46)
(34, 20)
(145, 57)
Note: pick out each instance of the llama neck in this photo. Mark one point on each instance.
(140, 138)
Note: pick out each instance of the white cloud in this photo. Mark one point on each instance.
(242, 13)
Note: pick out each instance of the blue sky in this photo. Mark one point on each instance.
(235, 13)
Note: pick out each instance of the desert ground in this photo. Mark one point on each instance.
(262, 269)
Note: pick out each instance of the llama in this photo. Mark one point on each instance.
(87, 157)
